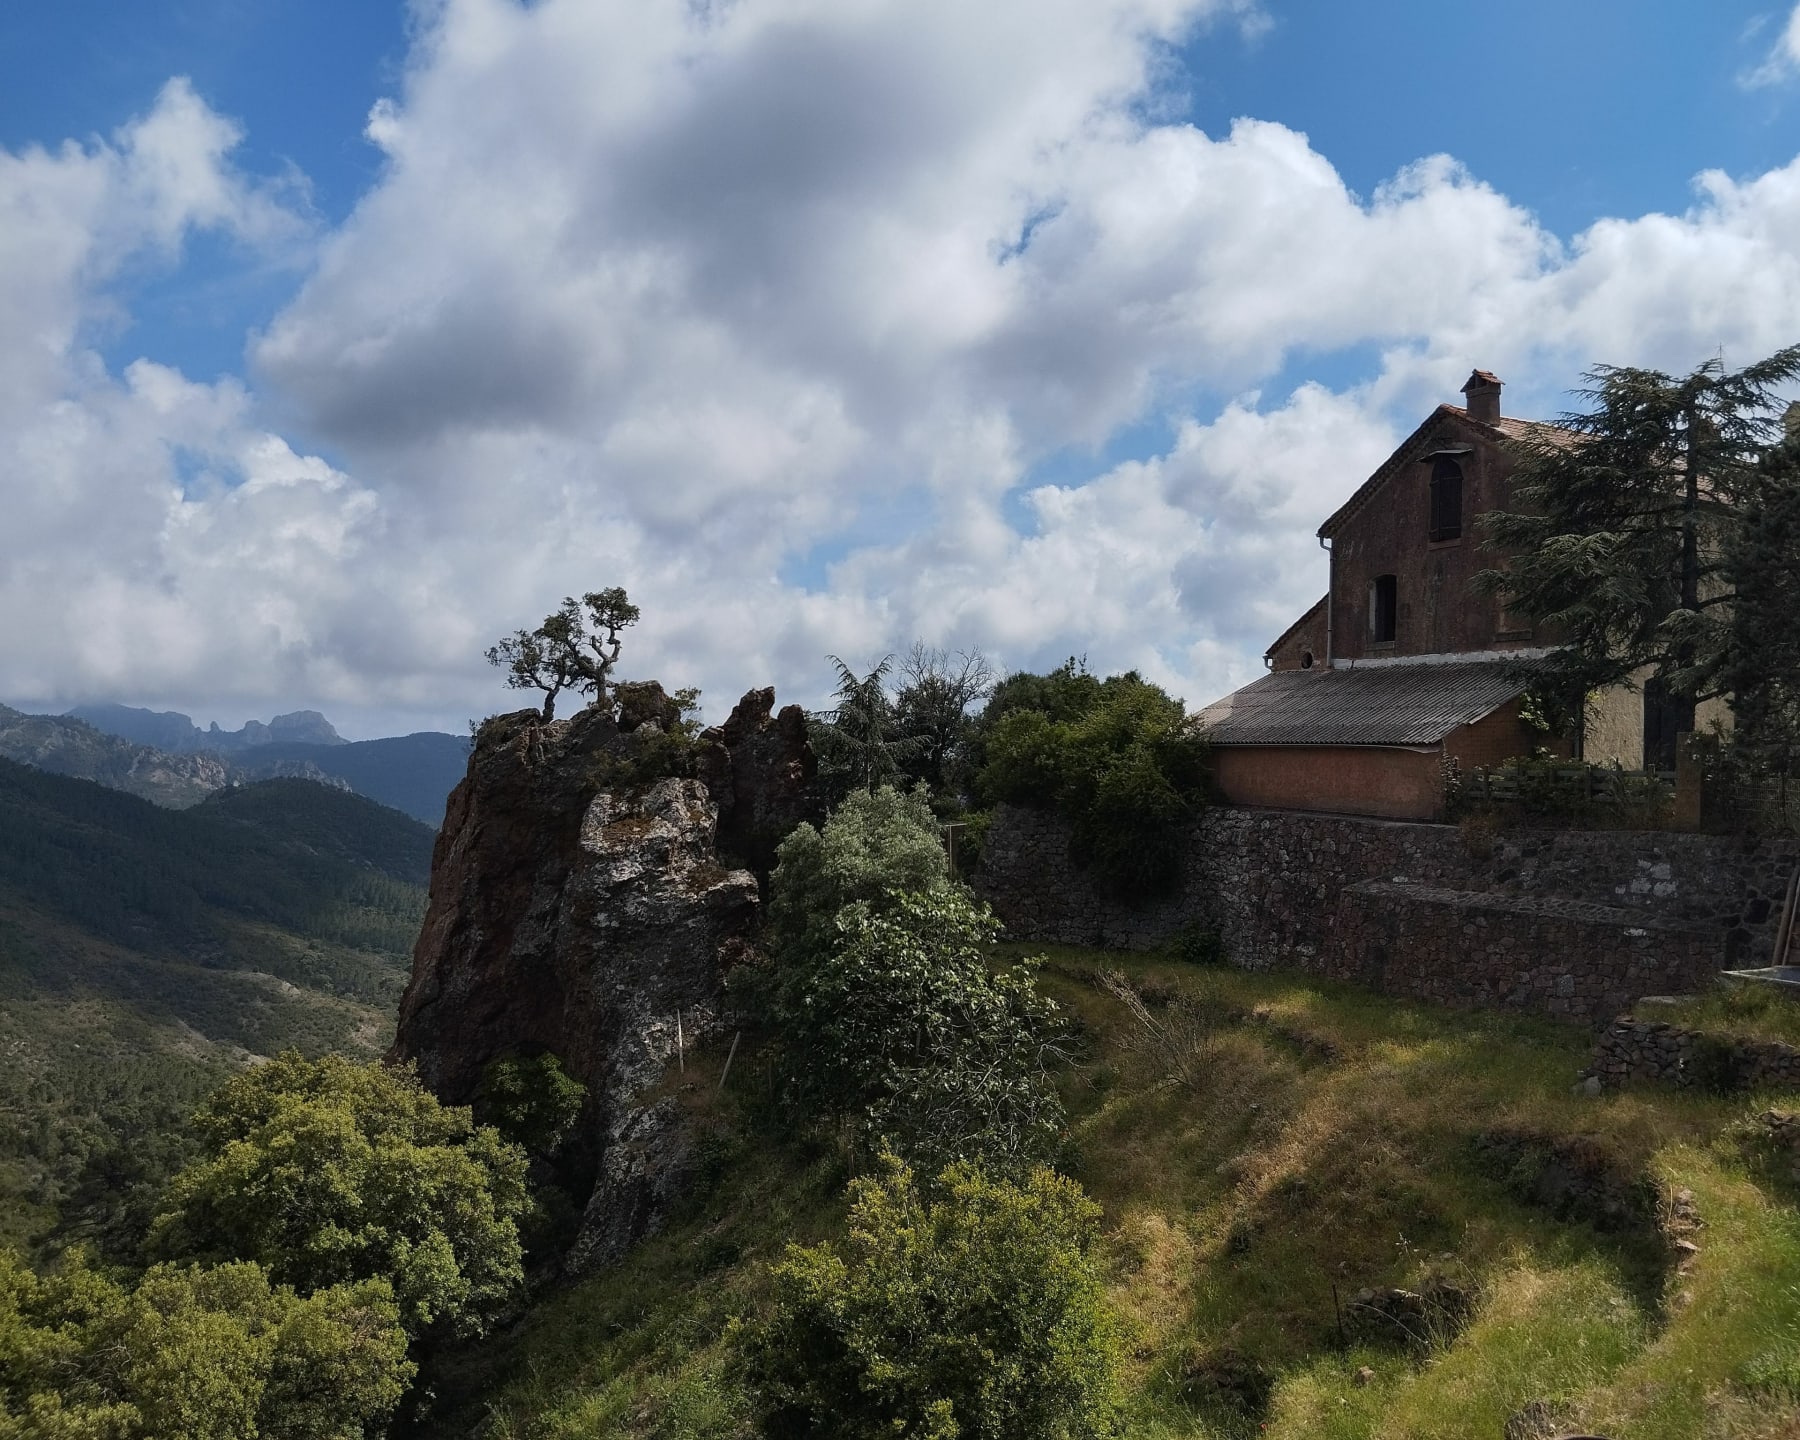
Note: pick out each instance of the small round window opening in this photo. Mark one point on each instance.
(1306, 659)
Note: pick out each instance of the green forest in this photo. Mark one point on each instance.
(146, 953)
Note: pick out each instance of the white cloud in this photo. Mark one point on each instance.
(1783, 62)
(697, 298)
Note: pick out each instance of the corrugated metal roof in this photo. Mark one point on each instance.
(1385, 704)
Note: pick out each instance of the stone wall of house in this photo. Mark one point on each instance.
(1576, 923)
(1636, 1049)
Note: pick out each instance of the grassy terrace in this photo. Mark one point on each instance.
(1748, 1011)
(1257, 1142)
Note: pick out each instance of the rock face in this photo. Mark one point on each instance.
(578, 904)
(762, 773)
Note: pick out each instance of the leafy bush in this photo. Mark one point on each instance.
(888, 1013)
(974, 1314)
(201, 1354)
(1119, 757)
(874, 847)
(327, 1172)
(907, 1030)
(531, 1100)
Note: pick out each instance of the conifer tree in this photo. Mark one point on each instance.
(1626, 523)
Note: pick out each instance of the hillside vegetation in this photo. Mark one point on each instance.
(146, 953)
(1267, 1150)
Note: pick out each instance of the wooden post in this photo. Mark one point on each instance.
(1689, 805)
(1784, 934)
(732, 1055)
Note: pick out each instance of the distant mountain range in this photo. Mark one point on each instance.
(171, 731)
(163, 757)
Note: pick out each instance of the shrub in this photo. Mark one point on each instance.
(875, 847)
(202, 1354)
(327, 1172)
(976, 1313)
(531, 1100)
(908, 1031)
(1120, 758)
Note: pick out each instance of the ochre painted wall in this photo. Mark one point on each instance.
(1498, 737)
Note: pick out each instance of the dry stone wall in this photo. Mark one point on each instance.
(1573, 923)
(1636, 1049)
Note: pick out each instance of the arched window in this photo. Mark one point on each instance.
(1446, 499)
(1383, 602)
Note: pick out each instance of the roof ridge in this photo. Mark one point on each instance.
(1305, 615)
(1381, 473)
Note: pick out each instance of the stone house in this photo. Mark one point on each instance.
(1400, 667)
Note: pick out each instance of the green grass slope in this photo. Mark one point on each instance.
(145, 953)
(1265, 1149)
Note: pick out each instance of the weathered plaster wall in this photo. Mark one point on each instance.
(1575, 923)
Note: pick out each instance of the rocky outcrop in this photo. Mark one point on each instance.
(578, 905)
(763, 775)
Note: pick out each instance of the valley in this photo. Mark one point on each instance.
(146, 954)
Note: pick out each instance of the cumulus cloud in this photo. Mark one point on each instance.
(779, 313)
(156, 539)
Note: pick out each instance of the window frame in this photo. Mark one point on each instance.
(1448, 479)
(1390, 613)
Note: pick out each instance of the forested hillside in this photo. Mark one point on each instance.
(146, 952)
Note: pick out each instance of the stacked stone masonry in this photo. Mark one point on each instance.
(1635, 1049)
(1572, 923)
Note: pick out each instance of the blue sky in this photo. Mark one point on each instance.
(735, 307)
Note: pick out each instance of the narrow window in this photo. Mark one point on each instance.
(1446, 499)
(1382, 598)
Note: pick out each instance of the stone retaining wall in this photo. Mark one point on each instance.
(1576, 923)
(1635, 1049)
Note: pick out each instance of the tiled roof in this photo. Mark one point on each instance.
(1383, 704)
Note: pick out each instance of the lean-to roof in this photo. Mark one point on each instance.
(1383, 704)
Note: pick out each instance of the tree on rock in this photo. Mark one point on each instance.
(574, 649)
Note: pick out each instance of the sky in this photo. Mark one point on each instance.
(343, 338)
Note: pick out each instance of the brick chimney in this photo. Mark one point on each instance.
(1482, 393)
